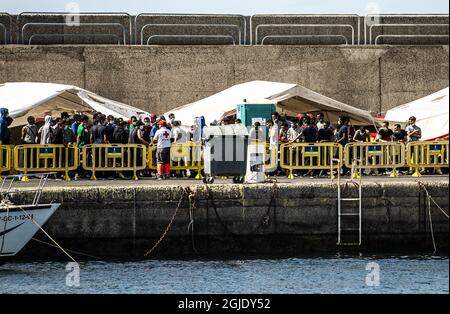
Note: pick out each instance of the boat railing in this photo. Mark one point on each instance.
(6, 187)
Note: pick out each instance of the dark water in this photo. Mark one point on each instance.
(289, 275)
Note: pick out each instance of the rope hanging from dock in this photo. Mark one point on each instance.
(185, 192)
(430, 199)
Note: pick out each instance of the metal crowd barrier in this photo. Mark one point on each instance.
(304, 25)
(379, 155)
(5, 29)
(233, 41)
(144, 27)
(114, 157)
(27, 25)
(304, 36)
(253, 38)
(6, 156)
(139, 31)
(2, 26)
(115, 37)
(183, 157)
(46, 158)
(423, 154)
(270, 158)
(309, 156)
(368, 25)
(86, 14)
(404, 25)
(408, 36)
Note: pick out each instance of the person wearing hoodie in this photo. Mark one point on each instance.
(46, 131)
(4, 131)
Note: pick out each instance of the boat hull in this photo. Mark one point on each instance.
(17, 227)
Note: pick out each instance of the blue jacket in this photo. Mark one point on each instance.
(4, 132)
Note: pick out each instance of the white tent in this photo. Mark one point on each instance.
(39, 99)
(291, 99)
(431, 113)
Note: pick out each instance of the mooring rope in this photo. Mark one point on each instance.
(185, 192)
(42, 229)
(264, 220)
(428, 204)
(191, 220)
(73, 251)
(422, 185)
(431, 225)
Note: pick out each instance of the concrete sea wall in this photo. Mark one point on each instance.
(159, 78)
(126, 221)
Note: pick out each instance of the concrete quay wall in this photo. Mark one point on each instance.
(159, 78)
(126, 221)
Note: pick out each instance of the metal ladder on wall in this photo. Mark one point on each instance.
(346, 218)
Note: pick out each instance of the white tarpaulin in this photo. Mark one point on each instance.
(431, 113)
(291, 99)
(39, 99)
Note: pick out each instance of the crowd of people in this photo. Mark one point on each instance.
(310, 128)
(149, 130)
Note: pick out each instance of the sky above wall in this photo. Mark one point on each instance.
(245, 7)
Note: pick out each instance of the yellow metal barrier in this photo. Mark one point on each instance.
(45, 158)
(310, 156)
(186, 156)
(427, 154)
(5, 158)
(380, 155)
(271, 158)
(114, 157)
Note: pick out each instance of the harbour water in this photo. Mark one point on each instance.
(332, 274)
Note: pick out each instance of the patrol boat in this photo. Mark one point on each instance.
(20, 222)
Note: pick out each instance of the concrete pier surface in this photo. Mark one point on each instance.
(124, 219)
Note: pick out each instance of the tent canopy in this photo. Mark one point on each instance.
(39, 99)
(291, 99)
(431, 114)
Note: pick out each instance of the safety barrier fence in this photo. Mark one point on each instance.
(5, 28)
(107, 22)
(188, 157)
(114, 157)
(374, 156)
(46, 158)
(6, 158)
(421, 155)
(183, 157)
(401, 26)
(145, 28)
(309, 156)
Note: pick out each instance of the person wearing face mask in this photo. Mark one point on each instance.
(171, 119)
(147, 128)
